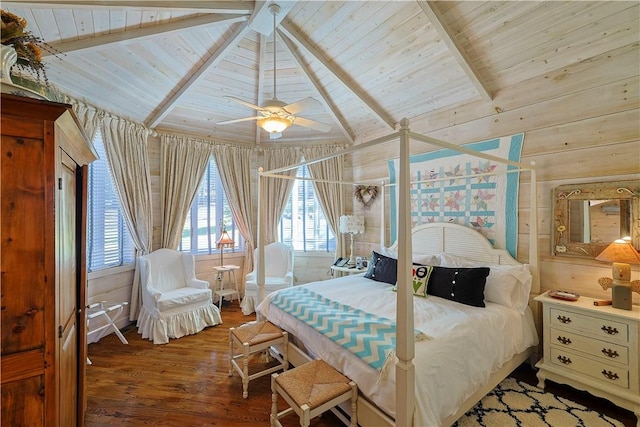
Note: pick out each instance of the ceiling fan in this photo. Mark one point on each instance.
(276, 116)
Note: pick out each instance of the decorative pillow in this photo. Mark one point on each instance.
(420, 281)
(463, 285)
(382, 268)
(507, 285)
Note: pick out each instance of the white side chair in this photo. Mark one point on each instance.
(278, 274)
(174, 302)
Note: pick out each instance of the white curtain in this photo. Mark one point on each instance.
(183, 162)
(89, 116)
(330, 195)
(234, 166)
(275, 191)
(126, 147)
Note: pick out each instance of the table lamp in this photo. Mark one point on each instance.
(351, 224)
(224, 241)
(622, 253)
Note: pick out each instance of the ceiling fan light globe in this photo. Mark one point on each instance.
(274, 124)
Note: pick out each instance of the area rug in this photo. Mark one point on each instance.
(515, 403)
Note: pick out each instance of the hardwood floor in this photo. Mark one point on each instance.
(186, 383)
(182, 383)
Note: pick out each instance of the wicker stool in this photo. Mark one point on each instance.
(254, 337)
(310, 390)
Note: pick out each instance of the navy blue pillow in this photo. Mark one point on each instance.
(463, 285)
(382, 268)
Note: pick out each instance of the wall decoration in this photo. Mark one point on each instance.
(365, 195)
(448, 186)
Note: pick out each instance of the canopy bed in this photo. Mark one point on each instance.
(433, 382)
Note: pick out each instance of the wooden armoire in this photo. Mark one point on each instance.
(43, 194)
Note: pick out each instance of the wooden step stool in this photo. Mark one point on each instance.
(254, 337)
(310, 390)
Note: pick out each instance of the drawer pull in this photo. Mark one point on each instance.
(610, 375)
(564, 319)
(565, 340)
(609, 330)
(566, 360)
(610, 353)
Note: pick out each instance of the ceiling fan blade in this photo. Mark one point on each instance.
(245, 119)
(312, 124)
(302, 105)
(245, 103)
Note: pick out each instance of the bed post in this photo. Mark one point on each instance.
(533, 232)
(383, 240)
(260, 243)
(405, 351)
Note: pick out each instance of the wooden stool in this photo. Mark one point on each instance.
(310, 390)
(253, 337)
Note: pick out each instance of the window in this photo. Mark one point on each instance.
(208, 212)
(109, 242)
(303, 224)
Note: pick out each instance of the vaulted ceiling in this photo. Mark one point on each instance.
(171, 65)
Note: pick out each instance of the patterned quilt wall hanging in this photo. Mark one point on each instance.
(448, 186)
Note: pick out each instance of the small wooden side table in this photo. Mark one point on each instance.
(221, 292)
(347, 270)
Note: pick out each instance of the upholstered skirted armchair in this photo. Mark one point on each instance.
(278, 274)
(174, 302)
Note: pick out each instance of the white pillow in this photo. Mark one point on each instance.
(423, 259)
(507, 285)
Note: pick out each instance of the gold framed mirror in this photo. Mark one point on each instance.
(588, 217)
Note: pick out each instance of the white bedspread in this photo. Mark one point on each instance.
(467, 345)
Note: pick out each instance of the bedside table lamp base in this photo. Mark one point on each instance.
(352, 259)
(621, 296)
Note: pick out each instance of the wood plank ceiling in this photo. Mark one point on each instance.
(169, 64)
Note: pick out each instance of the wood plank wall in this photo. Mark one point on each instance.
(576, 130)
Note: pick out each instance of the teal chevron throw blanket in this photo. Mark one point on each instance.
(371, 338)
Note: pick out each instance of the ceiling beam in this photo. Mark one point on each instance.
(198, 74)
(324, 99)
(437, 20)
(200, 6)
(288, 29)
(142, 33)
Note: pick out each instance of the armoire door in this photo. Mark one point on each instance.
(23, 283)
(67, 292)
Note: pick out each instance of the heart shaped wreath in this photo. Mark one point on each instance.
(365, 195)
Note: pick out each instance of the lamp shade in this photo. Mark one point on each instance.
(225, 240)
(351, 224)
(620, 251)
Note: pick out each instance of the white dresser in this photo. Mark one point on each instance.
(592, 348)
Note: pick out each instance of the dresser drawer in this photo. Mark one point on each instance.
(601, 370)
(596, 327)
(601, 349)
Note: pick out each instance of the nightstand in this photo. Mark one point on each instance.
(592, 348)
(347, 270)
